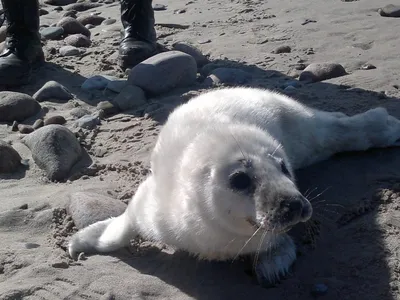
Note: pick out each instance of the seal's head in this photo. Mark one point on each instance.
(246, 181)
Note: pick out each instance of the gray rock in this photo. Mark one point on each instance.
(72, 26)
(59, 2)
(43, 12)
(201, 60)
(16, 106)
(55, 120)
(89, 26)
(10, 159)
(117, 85)
(55, 150)
(108, 21)
(79, 112)
(90, 19)
(229, 76)
(25, 129)
(322, 71)
(390, 10)
(282, 49)
(52, 91)
(82, 6)
(78, 40)
(158, 7)
(164, 71)
(97, 82)
(69, 51)
(107, 107)
(88, 122)
(52, 33)
(38, 123)
(130, 97)
(71, 13)
(87, 208)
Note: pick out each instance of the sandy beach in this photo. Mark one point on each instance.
(352, 249)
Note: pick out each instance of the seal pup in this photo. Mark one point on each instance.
(222, 180)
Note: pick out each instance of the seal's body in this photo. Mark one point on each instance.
(222, 180)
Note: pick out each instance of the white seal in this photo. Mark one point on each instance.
(222, 181)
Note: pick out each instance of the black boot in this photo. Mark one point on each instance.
(139, 40)
(23, 50)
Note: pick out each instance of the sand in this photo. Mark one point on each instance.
(356, 196)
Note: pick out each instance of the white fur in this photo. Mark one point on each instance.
(184, 202)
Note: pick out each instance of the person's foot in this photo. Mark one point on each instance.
(23, 49)
(133, 51)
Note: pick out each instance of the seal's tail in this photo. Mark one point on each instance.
(103, 236)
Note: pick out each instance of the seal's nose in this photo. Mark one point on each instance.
(296, 208)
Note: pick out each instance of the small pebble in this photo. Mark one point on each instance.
(204, 41)
(52, 33)
(78, 40)
(23, 206)
(71, 13)
(43, 12)
(38, 123)
(91, 19)
(367, 67)
(83, 6)
(130, 97)
(31, 245)
(25, 129)
(108, 21)
(52, 91)
(107, 107)
(158, 7)
(282, 49)
(55, 120)
(69, 51)
(390, 10)
(87, 122)
(60, 265)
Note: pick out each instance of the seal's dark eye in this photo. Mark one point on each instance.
(284, 169)
(240, 181)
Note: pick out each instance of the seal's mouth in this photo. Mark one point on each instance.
(282, 229)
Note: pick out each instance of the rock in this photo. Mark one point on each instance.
(43, 12)
(322, 71)
(108, 21)
(117, 85)
(60, 264)
(87, 208)
(38, 123)
(58, 8)
(201, 60)
(89, 26)
(31, 245)
(88, 122)
(79, 112)
(390, 10)
(97, 82)
(229, 76)
(52, 91)
(130, 97)
(69, 51)
(164, 71)
(158, 7)
(25, 129)
(52, 33)
(60, 2)
(55, 150)
(10, 159)
(78, 40)
(205, 41)
(55, 120)
(71, 13)
(72, 26)
(3, 33)
(107, 107)
(14, 126)
(367, 67)
(319, 289)
(82, 6)
(91, 19)
(282, 49)
(17, 106)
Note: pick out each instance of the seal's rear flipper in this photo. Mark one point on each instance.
(103, 236)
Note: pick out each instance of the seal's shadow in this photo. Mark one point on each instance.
(349, 255)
